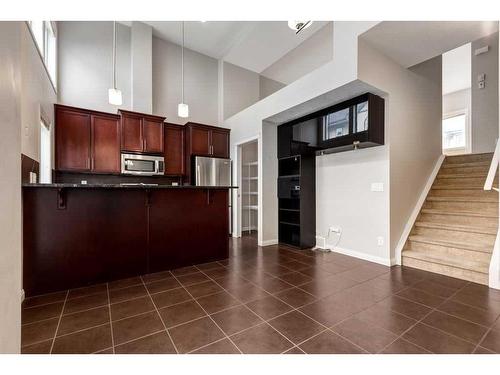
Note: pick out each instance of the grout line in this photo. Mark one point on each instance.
(486, 334)
(58, 323)
(159, 315)
(110, 319)
(139, 338)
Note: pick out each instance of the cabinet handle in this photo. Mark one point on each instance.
(145, 144)
(92, 163)
(87, 163)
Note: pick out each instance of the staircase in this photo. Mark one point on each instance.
(455, 231)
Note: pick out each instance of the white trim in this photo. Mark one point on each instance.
(361, 255)
(23, 295)
(268, 242)
(416, 210)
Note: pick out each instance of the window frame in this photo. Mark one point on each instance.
(43, 50)
(467, 149)
(44, 123)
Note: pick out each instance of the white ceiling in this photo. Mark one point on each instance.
(412, 42)
(457, 69)
(253, 45)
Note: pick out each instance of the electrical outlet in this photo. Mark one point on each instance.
(380, 241)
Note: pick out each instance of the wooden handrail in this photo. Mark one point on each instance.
(488, 185)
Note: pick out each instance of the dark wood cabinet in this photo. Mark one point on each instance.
(174, 149)
(105, 144)
(204, 140)
(72, 136)
(141, 132)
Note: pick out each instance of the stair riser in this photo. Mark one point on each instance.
(463, 170)
(459, 182)
(478, 207)
(477, 239)
(471, 158)
(448, 252)
(484, 194)
(476, 277)
(490, 222)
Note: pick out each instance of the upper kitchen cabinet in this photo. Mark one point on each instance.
(174, 149)
(86, 141)
(141, 132)
(220, 143)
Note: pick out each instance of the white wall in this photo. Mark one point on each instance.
(458, 100)
(268, 86)
(485, 101)
(241, 89)
(141, 67)
(200, 80)
(85, 64)
(10, 192)
(315, 51)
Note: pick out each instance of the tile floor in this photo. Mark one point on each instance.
(269, 300)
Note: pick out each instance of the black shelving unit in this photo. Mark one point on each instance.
(296, 196)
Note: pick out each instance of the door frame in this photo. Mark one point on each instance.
(237, 176)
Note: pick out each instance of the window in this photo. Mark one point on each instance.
(454, 131)
(45, 153)
(45, 37)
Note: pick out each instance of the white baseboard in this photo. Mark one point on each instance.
(360, 255)
(268, 242)
(416, 210)
(248, 228)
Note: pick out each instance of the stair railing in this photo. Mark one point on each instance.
(488, 185)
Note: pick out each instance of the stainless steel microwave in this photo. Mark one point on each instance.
(143, 165)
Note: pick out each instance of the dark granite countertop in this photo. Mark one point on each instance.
(122, 186)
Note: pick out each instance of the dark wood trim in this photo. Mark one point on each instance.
(139, 114)
(87, 111)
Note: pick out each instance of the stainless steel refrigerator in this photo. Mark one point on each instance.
(214, 172)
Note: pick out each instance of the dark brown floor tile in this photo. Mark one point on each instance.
(185, 271)
(273, 285)
(44, 299)
(295, 278)
(278, 270)
(386, 284)
(474, 314)
(404, 275)
(181, 313)
(384, 317)
(401, 346)
(405, 307)
(327, 313)
(158, 343)
(447, 281)
(268, 307)
(39, 331)
(497, 325)
(326, 286)
(125, 283)
(296, 326)
(261, 339)
(316, 272)
(135, 327)
(294, 350)
(220, 347)
(236, 319)
(333, 268)
(435, 288)
(40, 348)
(217, 272)
(464, 329)
(190, 336)
(492, 341)
(34, 314)
(84, 342)
(247, 293)
(193, 278)
(170, 297)
(476, 296)
(85, 303)
(366, 335)
(217, 302)
(105, 351)
(209, 266)
(162, 285)
(131, 307)
(87, 291)
(481, 350)
(366, 272)
(329, 343)
(157, 276)
(436, 341)
(120, 295)
(417, 295)
(231, 281)
(83, 320)
(295, 297)
(203, 289)
(295, 265)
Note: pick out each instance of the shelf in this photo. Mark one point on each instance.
(251, 207)
(253, 163)
(290, 209)
(250, 178)
(289, 176)
(287, 223)
(250, 193)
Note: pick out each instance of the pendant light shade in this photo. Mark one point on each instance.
(182, 108)
(114, 95)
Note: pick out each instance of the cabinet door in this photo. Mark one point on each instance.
(220, 143)
(174, 150)
(200, 141)
(153, 135)
(131, 133)
(105, 144)
(72, 140)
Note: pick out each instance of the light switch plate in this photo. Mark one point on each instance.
(377, 186)
(380, 241)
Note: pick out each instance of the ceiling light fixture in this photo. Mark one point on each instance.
(182, 108)
(298, 26)
(114, 95)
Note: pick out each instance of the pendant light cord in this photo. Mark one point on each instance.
(114, 54)
(182, 63)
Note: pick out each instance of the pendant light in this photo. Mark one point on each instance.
(115, 95)
(182, 108)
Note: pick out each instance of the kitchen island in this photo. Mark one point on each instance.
(76, 235)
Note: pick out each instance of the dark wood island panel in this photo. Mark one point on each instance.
(73, 237)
